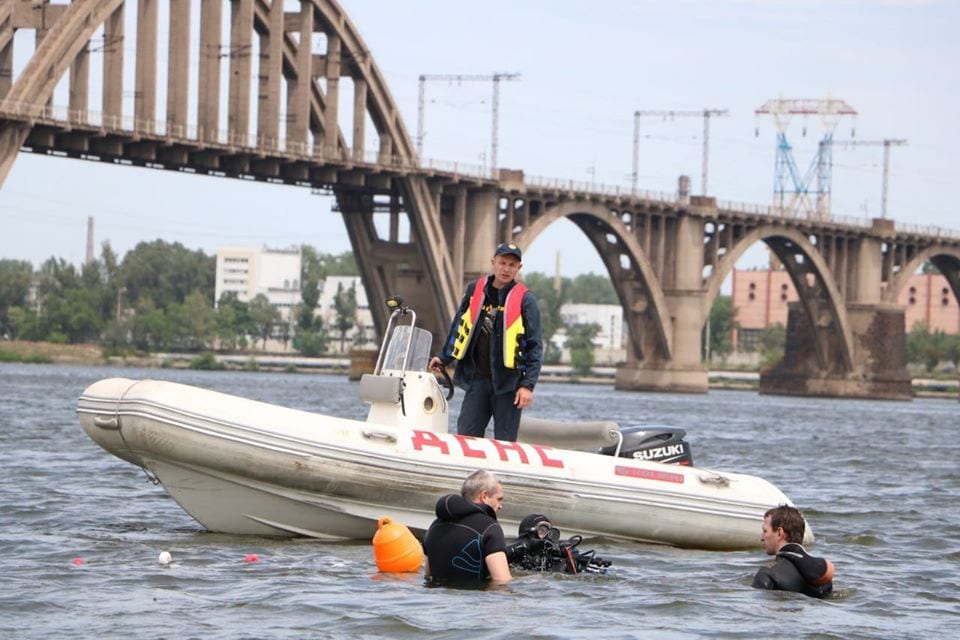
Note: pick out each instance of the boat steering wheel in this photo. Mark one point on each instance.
(446, 382)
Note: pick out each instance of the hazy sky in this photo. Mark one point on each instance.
(586, 67)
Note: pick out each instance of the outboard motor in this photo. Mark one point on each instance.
(655, 443)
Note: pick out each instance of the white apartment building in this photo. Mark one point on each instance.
(250, 271)
(363, 334)
(608, 343)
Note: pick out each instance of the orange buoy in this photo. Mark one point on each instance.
(395, 549)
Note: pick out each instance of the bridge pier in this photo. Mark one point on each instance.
(684, 372)
(480, 235)
(879, 358)
(678, 366)
(877, 364)
(637, 377)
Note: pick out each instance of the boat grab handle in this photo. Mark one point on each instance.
(105, 422)
(716, 479)
(379, 435)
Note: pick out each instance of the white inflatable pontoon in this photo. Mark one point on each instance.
(246, 467)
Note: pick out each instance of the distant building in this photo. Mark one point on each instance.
(363, 334)
(929, 300)
(762, 297)
(249, 272)
(608, 343)
(34, 300)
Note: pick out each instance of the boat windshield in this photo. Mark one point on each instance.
(419, 349)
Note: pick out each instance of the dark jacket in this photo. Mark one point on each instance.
(794, 569)
(459, 541)
(531, 346)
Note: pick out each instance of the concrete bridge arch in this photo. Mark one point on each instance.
(54, 54)
(819, 295)
(314, 151)
(649, 322)
(945, 258)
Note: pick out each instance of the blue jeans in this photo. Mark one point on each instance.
(480, 403)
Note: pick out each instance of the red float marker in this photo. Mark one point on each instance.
(251, 557)
(77, 561)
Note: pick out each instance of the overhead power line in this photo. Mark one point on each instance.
(706, 114)
(886, 143)
(460, 78)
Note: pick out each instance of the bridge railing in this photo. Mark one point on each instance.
(192, 135)
(774, 211)
(747, 207)
(929, 230)
(581, 186)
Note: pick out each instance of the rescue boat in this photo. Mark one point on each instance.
(240, 466)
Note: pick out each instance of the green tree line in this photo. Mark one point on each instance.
(158, 297)
(930, 349)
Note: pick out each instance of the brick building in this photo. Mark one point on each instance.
(761, 298)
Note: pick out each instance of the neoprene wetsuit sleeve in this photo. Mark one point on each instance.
(763, 580)
(493, 540)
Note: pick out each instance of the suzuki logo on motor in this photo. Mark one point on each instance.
(659, 452)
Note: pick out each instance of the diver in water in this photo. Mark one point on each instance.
(793, 569)
(539, 548)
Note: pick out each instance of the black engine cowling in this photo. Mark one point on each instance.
(655, 443)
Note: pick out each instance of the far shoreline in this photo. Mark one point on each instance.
(93, 355)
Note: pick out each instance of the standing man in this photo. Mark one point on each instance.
(793, 569)
(496, 338)
(465, 545)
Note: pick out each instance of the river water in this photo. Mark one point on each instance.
(879, 482)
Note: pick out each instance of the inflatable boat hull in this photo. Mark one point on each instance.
(245, 467)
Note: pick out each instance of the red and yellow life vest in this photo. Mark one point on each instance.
(512, 322)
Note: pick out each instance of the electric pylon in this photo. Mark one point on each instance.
(792, 192)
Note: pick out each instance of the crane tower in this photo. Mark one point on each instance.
(808, 194)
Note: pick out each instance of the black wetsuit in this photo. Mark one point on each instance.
(459, 541)
(794, 569)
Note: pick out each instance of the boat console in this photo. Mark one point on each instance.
(401, 391)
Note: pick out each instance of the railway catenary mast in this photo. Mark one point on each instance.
(496, 78)
(886, 143)
(706, 114)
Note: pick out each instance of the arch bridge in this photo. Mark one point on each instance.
(264, 104)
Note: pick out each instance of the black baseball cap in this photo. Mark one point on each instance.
(508, 248)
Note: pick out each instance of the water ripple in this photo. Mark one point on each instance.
(884, 517)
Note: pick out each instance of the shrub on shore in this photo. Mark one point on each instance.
(207, 361)
(7, 355)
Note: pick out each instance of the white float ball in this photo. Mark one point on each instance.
(165, 557)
